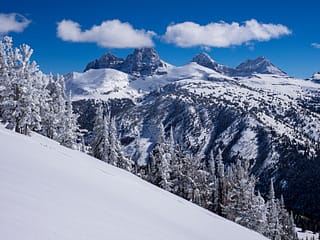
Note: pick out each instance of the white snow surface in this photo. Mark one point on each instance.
(50, 192)
(109, 83)
(100, 84)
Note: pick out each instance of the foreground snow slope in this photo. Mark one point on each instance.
(51, 192)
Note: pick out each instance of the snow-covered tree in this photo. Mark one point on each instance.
(106, 145)
(116, 156)
(100, 133)
(274, 229)
(70, 128)
(240, 194)
(21, 85)
(287, 222)
(161, 162)
(53, 107)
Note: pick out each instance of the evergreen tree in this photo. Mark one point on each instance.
(287, 223)
(53, 107)
(274, 229)
(242, 203)
(100, 133)
(70, 128)
(116, 156)
(161, 162)
(106, 145)
(20, 92)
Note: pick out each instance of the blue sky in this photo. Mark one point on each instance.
(291, 51)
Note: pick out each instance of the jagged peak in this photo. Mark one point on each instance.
(107, 60)
(202, 57)
(260, 65)
(144, 62)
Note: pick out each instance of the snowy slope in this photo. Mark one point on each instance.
(110, 83)
(100, 83)
(51, 192)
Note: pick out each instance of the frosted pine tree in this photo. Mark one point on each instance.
(54, 113)
(25, 85)
(287, 222)
(221, 186)
(159, 170)
(21, 88)
(273, 230)
(116, 156)
(100, 133)
(213, 200)
(7, 76)
(70, 128)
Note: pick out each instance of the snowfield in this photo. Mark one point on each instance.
(50, 192)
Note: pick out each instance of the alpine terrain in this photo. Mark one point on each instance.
(242, 143)
(254, 112)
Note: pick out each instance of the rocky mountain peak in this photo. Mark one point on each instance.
(143, 62)
(107, 60)
(205, 60)
(260, 65)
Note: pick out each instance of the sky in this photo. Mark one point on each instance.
(66, 35)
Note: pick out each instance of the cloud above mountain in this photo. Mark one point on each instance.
(222, 34)
(109, 34)
(13, 22)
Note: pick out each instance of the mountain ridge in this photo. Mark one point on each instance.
(146, 62)
(142, 62)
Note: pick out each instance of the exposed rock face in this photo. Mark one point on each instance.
(260, 65)
(142, 62)
(107, 60)
(205, 60)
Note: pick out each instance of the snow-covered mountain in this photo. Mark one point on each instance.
(50, 192)
(259, 113)
(110, 83)
(260, 65)
(205, 60)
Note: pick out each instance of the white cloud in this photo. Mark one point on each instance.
(110, 34)
(221, 34)
(13, 22)
(315, 45)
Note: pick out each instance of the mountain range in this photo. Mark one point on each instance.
(255, 111)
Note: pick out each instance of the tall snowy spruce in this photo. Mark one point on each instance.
(242, 205)
(21, 86)
(70, 128)
(100, 133)
(54, 107)
(106, 145)
(161, 162)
